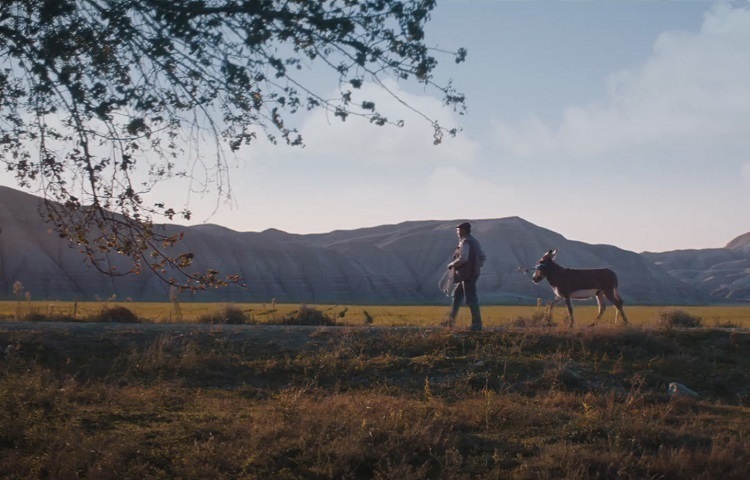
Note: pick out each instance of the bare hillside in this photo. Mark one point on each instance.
(389, 264)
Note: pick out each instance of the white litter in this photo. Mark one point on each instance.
(679, 390)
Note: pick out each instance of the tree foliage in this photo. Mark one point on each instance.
(100, 101)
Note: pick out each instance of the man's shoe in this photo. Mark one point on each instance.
(475, 328)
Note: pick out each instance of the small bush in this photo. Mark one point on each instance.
(115, 314)
(228, 315)
(305, 315)
(41, 317)
(673, 318)
(539, 319)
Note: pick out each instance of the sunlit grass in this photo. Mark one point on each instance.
(82, 401)
(375, 315)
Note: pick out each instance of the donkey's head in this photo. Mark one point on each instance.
(542, 266)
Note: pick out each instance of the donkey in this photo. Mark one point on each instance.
(569, 283)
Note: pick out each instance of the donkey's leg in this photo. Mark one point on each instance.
(622, 313)
(570, 311)
(602, 307)
(617, 302)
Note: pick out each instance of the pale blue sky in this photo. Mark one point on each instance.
(624, 123)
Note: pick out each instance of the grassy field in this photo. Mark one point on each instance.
(353, 315)
(159, 401)
(126, 390)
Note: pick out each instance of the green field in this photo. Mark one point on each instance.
(375, 315)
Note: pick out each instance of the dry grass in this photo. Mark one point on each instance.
(374, 315)
(137, 401)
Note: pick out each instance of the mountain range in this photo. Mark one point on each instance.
(389, 264)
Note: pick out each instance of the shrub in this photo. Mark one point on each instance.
(305, 315)
(41, 317)
(228, 315)
(540, 318)
(671, 318)
(115, 314)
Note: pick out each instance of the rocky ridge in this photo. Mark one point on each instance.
(389, 264)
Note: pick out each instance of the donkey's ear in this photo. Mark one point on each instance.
(552, 253)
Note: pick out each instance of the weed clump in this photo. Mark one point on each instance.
(41, 317)
(115, 314)
(674, 318)
(305, 315)
(538, 319)
(228, 315)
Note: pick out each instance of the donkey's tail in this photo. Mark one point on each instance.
(616, 294)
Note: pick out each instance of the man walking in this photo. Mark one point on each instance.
(467, 262)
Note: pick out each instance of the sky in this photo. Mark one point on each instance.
(610, 122)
